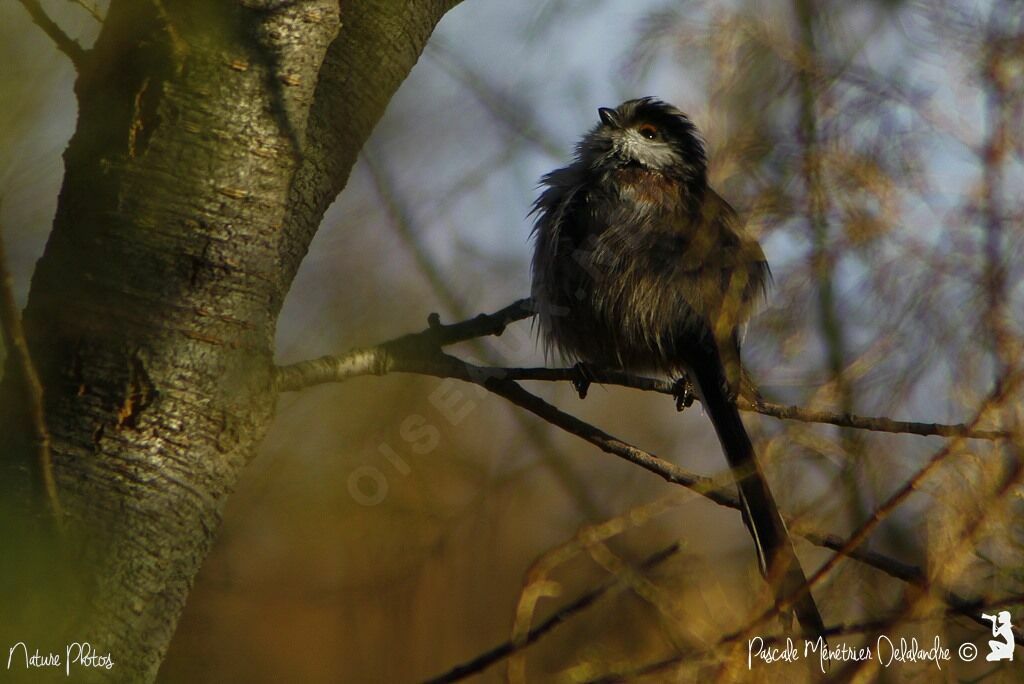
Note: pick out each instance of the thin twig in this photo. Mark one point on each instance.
(726, 496)
(519, 120)
(441, 365)
(915, 605)
(593, 540)
(382, 359)
(835, 630)
(510, 647)
(873, 423)
(16, 344)
(879, 515)
(90, 8)
(421, 353)
(75, 52)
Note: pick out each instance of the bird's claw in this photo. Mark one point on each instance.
(684, 392)
(582, 380)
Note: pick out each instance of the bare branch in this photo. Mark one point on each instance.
(593, 540)
(508, 648)
(860, 535)
(391, 356)
(410, 354)
(915, 605)
(873, 423)
(955, 606)
(510, 114)
(835, 630)
(75, 52)
(90, 8)
(725, 495)
(419, 353)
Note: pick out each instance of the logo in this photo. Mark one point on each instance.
(1001, 647)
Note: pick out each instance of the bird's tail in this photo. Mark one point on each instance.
(776, 556)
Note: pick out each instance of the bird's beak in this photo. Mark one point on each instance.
(609, 117)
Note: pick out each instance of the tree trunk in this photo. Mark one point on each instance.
(211, 138)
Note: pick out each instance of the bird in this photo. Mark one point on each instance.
(640, 266)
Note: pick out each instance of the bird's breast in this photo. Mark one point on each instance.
(646, 186)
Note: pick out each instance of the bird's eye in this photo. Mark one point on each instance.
(649, 131)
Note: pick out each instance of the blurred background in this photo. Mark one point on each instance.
(876, 150)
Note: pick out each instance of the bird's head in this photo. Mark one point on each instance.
(645, 134)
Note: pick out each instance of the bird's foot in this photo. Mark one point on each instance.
(684, 392)
(584, 376)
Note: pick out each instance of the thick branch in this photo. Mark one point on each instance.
(152, 310)
(378, 44)
(399, 354)
(75, 52)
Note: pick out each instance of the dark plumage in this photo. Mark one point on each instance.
(639, 265)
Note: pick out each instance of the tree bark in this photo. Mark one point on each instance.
(211, 138)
